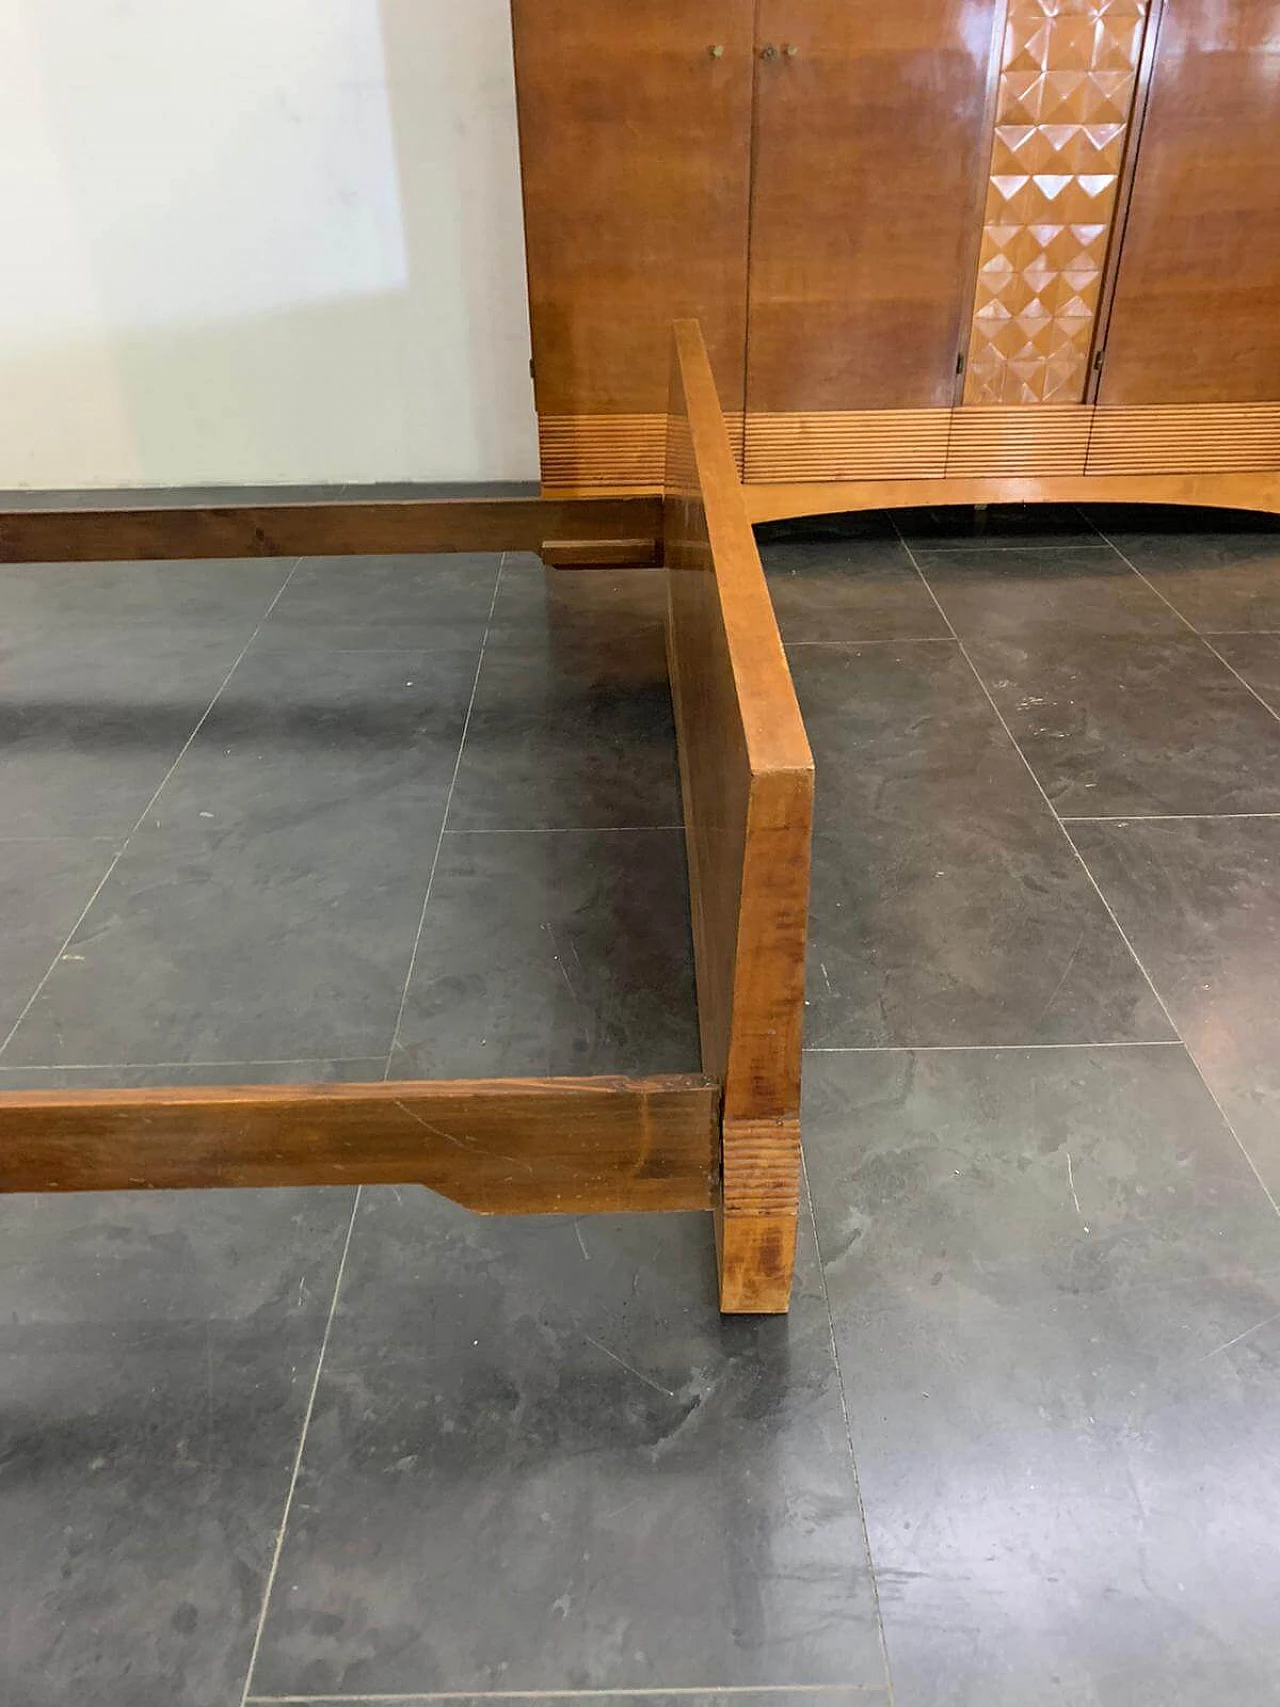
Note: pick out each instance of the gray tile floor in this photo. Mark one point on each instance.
(1017, 1441)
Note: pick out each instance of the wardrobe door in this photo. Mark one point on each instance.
(1196, 312)
(870, 155)
(635, 133)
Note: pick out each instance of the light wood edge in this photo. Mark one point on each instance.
(772, 725)
(511, 1146)
(776, 502)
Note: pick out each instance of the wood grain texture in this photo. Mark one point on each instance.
(747, 778)
(849, 443)
(601, 553)
(868, 159)
(635, 150)
(1200, 438)
(1194, 317)
(1037, 438)
(500, 1146)
(583, 452)
(331, 529)
(817, 498)
(1065, 100)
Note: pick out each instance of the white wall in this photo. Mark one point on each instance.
(248, 241)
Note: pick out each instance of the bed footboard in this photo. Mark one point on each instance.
(747, 777)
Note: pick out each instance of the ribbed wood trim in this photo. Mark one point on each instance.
(587, 452)
(583, 454)
(1199, 438)
(1035, 438)
(865, 444)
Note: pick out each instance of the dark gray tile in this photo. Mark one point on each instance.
(89, 727)
(1221, 575)
(1054, 1284)
(994, 524)
(1140, 724)
(589, 1481)
(1257, 657)
(1044, 594)
(157, 1352)
(164, 497)
(110, 1077)
(570, 730)
(87, 607)
(577, 607)
(433, 489)
(1200, 901)
(565, 952)
(417, 602)
(44, 886)
(831, 579)
(364, 735)
(267, 908)
(947, 906)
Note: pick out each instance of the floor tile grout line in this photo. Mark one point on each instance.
(444, 824)
(142, 816)
(301, 1448)
(569, 830)
(1201, 637)
(645, 1692)
(980, 1048)
(874, 640)
(1066, 545)
(1158, 817)
(1097, 888)
(848, 1433)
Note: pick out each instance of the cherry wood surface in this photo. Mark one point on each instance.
(1196, 310)
(333, 528)
(747, 777)
(870, 158)
(509, 1146)
(635, 137)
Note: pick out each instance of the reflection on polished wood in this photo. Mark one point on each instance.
(868, 158)
(1196, 316)
(768, 503)
(635, 143)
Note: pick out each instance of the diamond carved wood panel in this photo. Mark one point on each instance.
(1062, 117)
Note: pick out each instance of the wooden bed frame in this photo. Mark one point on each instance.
(726, 1140)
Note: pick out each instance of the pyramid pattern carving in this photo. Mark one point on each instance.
(1062, 118)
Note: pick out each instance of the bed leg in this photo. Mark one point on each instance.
(757, 1217)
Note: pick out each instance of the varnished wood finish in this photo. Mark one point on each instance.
(1017, 439)
(1041, 438)
(332, 529)
(635, 149)
(818, 498)
(601, 553)
(582, 453)
(1197, 439)
(501, 1146)
(1196, 312)
(841, 445)
(869, 151)
(747, 777)
(1066, 92)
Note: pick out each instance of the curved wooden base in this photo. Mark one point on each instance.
(774, 502)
